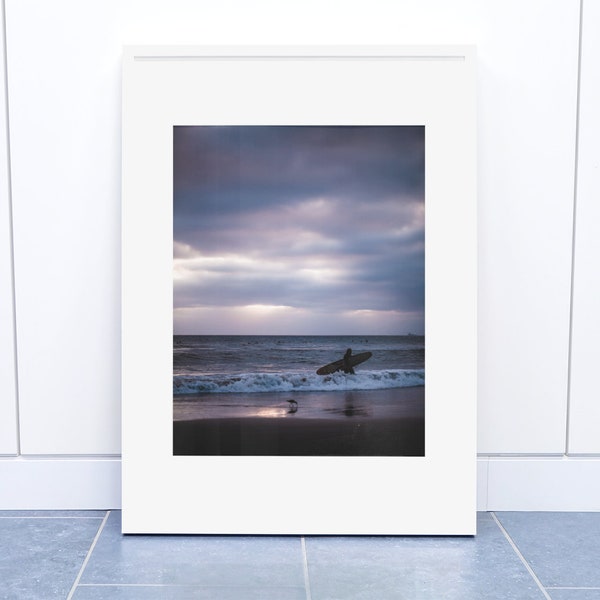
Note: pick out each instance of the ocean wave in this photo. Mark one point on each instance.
(296, 381)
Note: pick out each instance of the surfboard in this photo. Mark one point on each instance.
(338, 365)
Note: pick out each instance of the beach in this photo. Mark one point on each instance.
(385, 422)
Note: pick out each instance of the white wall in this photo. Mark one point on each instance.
(8, 387)
(63, 59)
(584, 437)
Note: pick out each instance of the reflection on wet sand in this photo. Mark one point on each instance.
(359, 404)
(382, 423)
(351, 407)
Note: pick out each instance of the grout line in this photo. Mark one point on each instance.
(159, 585)
(305, 567)
(47, 518)
(521, 557)
(574, 229)
(11, 226)
(88, 556)
(188, 585)
(556, 587)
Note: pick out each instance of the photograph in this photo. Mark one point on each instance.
(299, 290)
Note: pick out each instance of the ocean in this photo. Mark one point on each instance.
(217, 376)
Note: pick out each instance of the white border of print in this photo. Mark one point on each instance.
(167, 86)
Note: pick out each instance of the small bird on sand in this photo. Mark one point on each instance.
(293, 405)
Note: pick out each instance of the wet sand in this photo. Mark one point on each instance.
(399, 434)
(255, 436)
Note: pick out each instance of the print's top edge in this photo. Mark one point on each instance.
(191, 53)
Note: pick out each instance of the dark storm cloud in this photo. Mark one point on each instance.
(275, 160)
(304, 217)
(220, 171)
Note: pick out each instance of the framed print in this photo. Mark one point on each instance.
(299, 290)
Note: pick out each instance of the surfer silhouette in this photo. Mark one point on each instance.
(347, 364)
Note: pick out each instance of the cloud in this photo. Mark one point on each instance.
(284, 320)
(321, 220)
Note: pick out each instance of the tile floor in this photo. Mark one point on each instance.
(83, 556)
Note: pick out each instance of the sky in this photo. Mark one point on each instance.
(307, 230)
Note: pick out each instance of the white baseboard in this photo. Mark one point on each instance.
(67, 483)
(503, 483)
(551, 483)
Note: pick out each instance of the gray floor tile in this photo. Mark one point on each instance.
(53, 514)
(574, 594)
(563, 549)
(170, 592)
(484, 567)
(41, 558)
(253, 563)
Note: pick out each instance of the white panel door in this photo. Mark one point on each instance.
(8, 390)
(585, 351)
(64, 84)
(63, 74)
(527, 107)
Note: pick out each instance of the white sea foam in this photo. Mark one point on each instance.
(296, 381)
